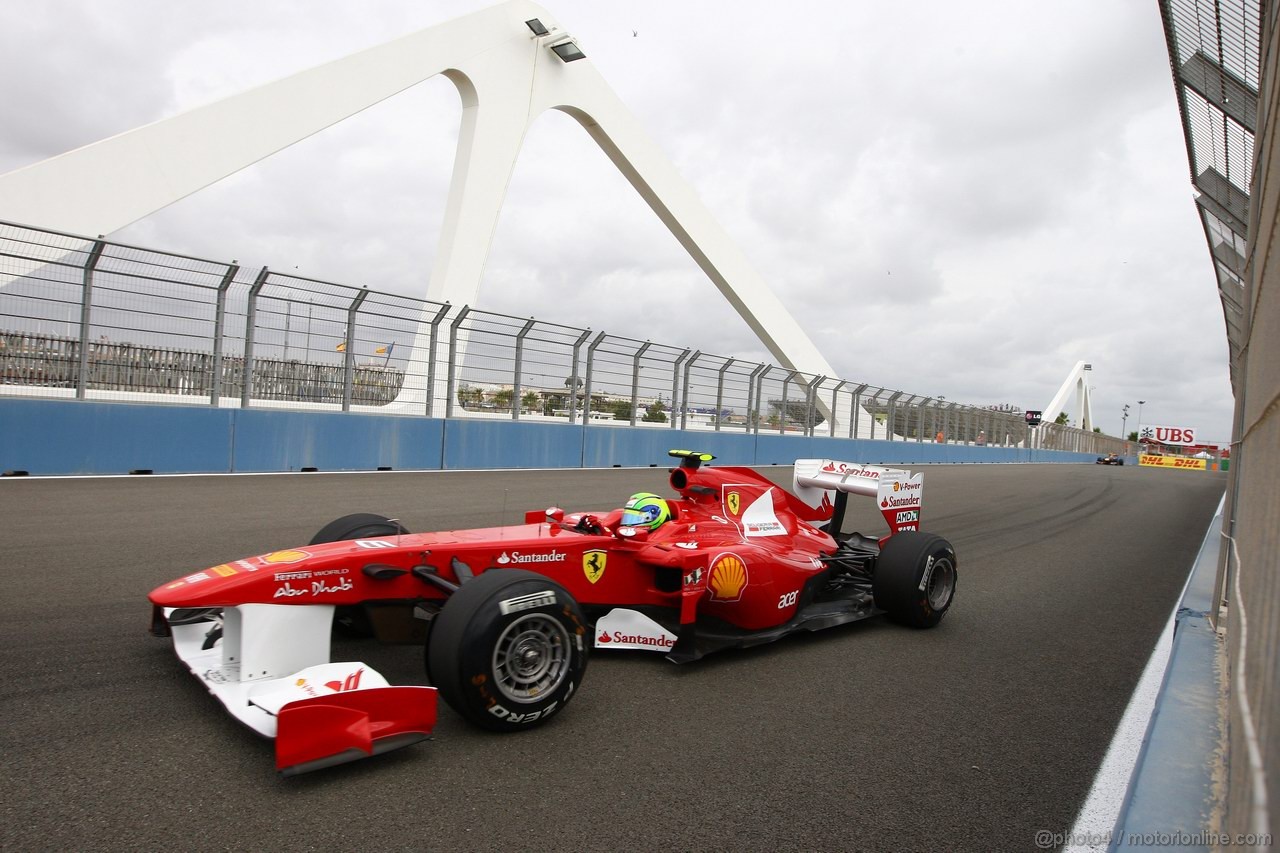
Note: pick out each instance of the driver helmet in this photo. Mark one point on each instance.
(645, 509)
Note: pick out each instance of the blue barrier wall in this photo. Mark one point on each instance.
(83, 437)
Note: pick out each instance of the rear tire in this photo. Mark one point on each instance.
(352, 620)
(508, 650)
(915, 578)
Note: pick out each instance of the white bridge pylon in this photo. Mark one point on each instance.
(506, 76)
(1081, 413)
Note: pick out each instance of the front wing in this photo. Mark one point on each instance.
(270, 669)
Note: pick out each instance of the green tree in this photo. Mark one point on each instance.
(470, 396)
(1097, 429)
(657, 413)
(1133, 436)
(502, 398)
(530, 401)
(621, 409)
(1061, 418)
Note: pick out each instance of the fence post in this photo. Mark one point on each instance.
(810, 424)
(891, 422)
(835, 393)
(349, 364)
(635, 378)
(684, 392)
(452, 380)
(720, 392)
(591, 358)
(432, 359)
(675, 384)
(856, 413)
(573, 377)
(86, 311)
(250, 321)
(782, 412)
(515, 370)
(219, 325)
(759, 378)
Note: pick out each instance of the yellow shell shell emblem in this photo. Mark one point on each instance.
(286, 557)
(728, 578)
(733, 502)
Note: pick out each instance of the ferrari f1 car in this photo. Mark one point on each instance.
(508, 616)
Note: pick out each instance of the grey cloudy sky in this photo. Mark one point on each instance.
(953, 199)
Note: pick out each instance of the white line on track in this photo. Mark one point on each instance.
(1097, 818)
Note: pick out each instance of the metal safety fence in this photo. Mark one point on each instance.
(94, 319)
(1226, 76)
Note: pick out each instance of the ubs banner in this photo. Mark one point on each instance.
(1171, 462)
(1181, 435)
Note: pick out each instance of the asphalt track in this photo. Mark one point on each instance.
(972, 736)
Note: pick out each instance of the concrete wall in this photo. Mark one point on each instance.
(80, 437)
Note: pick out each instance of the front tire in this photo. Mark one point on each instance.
(508, 650)
(915, 578)
(358, 525)
(353, 620)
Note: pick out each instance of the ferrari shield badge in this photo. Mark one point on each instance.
(733, 502)
(593, 563)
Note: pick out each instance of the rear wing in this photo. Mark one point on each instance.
(898, 492)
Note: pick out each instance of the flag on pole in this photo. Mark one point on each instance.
(342, 347)
(386, 350)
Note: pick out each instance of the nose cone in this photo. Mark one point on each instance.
(254, 580)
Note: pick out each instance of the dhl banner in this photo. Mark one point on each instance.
(1171, 462)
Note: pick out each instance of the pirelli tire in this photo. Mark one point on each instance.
(359, 525)
(508, 650)
(915, 578)
(353, 620)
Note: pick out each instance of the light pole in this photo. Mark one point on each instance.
(1140, 402)
(1124, 420)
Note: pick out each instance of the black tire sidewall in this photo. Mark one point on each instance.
(459, 653)
(359, 525)
(352, 621)
(900, 572)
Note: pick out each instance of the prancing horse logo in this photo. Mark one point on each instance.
(733, 501)
(593, 563)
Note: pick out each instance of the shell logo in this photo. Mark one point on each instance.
(728, 578)
(286, 557)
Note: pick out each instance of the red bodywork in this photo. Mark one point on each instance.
(738, 548)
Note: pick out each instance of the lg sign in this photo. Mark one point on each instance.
(1168, 434)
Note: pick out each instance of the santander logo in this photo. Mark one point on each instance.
(852, 470)
(637, 640)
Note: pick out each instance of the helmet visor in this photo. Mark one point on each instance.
(640, 516)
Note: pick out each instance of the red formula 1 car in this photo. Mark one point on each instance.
(509, 615)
